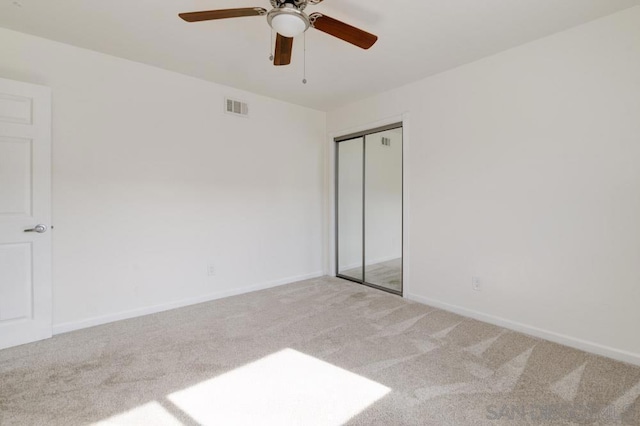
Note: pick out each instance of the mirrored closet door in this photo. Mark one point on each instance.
(350, 208)
(369, 208)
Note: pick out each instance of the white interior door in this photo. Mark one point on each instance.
(25, 202)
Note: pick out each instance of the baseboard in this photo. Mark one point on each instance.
(584, 345)
(105, 319)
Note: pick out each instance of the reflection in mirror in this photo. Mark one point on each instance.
(350, 187)
(383, 209)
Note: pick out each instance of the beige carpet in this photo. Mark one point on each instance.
(322, 352)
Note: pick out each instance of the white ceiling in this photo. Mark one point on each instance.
(418, 38)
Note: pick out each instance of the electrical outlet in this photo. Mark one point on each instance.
(211, 270)
(476, 284)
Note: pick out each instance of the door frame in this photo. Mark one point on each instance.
(330, 225)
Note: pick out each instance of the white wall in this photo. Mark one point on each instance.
(152, 181)
(524, 170)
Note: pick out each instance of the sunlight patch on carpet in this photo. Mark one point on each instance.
(287, 387)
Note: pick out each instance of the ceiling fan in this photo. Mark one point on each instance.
(288, 19)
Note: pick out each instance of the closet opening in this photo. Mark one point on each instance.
(369, 207)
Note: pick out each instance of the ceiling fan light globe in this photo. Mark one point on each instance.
(288, 25)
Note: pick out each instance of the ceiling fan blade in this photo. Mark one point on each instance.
(342, 31)
(210, 15)
(284, 47)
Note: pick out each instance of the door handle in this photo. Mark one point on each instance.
(40, 229)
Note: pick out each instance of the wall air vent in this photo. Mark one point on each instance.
(386, 141)
(235, 107)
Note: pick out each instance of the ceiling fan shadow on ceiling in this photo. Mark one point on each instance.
(289, 20)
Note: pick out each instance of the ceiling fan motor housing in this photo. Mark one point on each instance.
(298, 4)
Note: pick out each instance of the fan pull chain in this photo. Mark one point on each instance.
(271, 48)
(304, 69)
